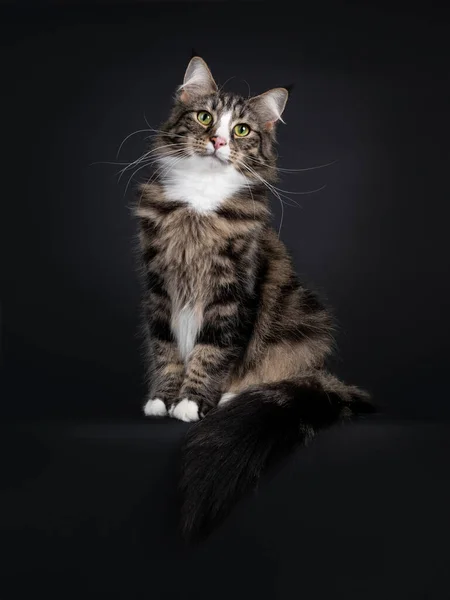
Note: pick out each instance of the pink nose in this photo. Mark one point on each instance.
(218, 142)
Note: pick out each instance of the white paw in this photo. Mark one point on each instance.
(155, 408)
(226, 398)
(185, 410)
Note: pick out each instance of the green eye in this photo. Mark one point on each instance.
(204, 117)
(242, 130)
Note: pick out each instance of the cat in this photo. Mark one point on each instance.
(234, 340)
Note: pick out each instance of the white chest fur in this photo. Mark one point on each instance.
(203, 182)
(186, 324)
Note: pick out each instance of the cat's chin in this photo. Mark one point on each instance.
(215, 161)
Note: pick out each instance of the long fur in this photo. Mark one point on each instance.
(226, 453)
(225, 313)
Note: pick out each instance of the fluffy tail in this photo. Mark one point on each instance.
(225, 454)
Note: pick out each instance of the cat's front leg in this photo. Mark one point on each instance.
(166, 373)
(207, 370)
(219, 345)
(165, 368)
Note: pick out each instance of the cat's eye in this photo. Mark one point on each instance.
(204, 117)
(241, 130)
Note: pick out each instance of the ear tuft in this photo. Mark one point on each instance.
(198, 80)
(290, 87)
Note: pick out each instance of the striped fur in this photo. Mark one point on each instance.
(225, 314)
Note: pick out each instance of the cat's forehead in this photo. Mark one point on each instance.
(224, 103)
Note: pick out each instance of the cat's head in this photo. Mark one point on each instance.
(222, 129)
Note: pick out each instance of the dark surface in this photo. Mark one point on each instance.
(88, 510)
(87, 504)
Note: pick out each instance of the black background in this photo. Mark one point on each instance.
(371, 93)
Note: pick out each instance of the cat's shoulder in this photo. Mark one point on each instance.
(152, 202)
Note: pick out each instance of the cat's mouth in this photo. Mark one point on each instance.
(216, 158)
(219, 159)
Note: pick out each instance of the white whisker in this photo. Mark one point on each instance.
(248, 85)
(282, 192)
(159, 172)
(163, 132)
(128, 136)
(147, 155)
(224, 84)
(107, 162)
(251, 194)
(292, 170)
(272, 189)
(175, 153)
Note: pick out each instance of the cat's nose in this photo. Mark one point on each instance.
(218, 142)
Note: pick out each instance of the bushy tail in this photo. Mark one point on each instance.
(225, 453)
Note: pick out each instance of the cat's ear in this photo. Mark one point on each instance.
(270, 106)
(198, 80)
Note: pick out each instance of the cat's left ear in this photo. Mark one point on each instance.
(270, 106)
(198, 80)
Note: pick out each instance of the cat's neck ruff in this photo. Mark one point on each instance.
(202, 182)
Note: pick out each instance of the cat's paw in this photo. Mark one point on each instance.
(155, 408)
(185, 410)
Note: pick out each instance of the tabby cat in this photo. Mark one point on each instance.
(235, 341)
